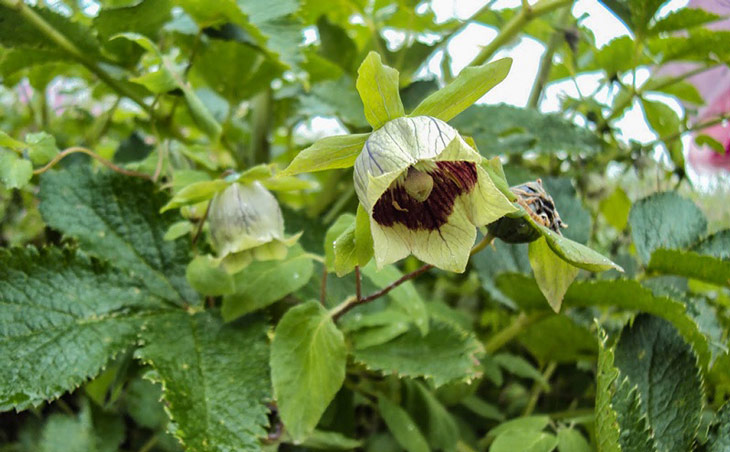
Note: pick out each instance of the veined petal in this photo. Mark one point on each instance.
(447, 247)
(394, 147)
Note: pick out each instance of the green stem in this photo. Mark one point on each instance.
(504, 336)
(537, 389)
(546, 63)
(515, 26)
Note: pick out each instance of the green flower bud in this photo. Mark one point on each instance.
(425, 192)
(246, 224)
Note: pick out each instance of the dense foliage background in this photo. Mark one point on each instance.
(120, 120)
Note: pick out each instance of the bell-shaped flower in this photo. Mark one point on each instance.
(246, 224)
(426, 192)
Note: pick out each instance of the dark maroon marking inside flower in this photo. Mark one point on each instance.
(450, 179)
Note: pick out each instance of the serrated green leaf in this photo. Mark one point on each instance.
(720, 439)
(207, 276)
(622, 294)
(468, 87)
(262, 283)
(607, 427)
(665, 220)
(116, 218)
(558, 338)
(402, 427)
(143, 402)
(443, 355)
(527, 441)
(308, 358)
(691, 265)
(570, 440)
(717, 245)
(378, 88)
(653, 356)
(504, 129)
(636, 433)
(215, 389)
(328, 153)
(15, 171)
(405, 296)
(552, 274)
(63, 318)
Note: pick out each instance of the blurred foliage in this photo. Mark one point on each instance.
(121, 119)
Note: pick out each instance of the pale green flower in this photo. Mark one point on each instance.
(426, 192)
(246, 224)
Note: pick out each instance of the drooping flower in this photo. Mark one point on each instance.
(425, 192)
(246, 224)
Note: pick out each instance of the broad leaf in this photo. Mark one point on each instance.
(717, 245)
(444, 355)
(620, 294)
(665, 220)
(215, 378)
(41, 147)
(378, 88)
(636, 433)
(576, 254)
(308, 358)
(262, 283)
(468, 87)
(571, 440)
(527, 441)
(691, 265)
(62, 318)
(558, 338)
(663, 367)
(553, 275)
(328, 153)
(117, 218)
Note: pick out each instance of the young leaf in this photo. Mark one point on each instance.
(308, 358)
(402, 426)
(262, 283)
(328, 153)
(195, 193)
(214, 376)
(413, 355)
(655, 358)
(553, 275)
(378, 88)
(468, 87)
(665, 220)
(576, 254)
(41, 147)
(116, 217)
(15, 171)
(63, 318)
(354, 247)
